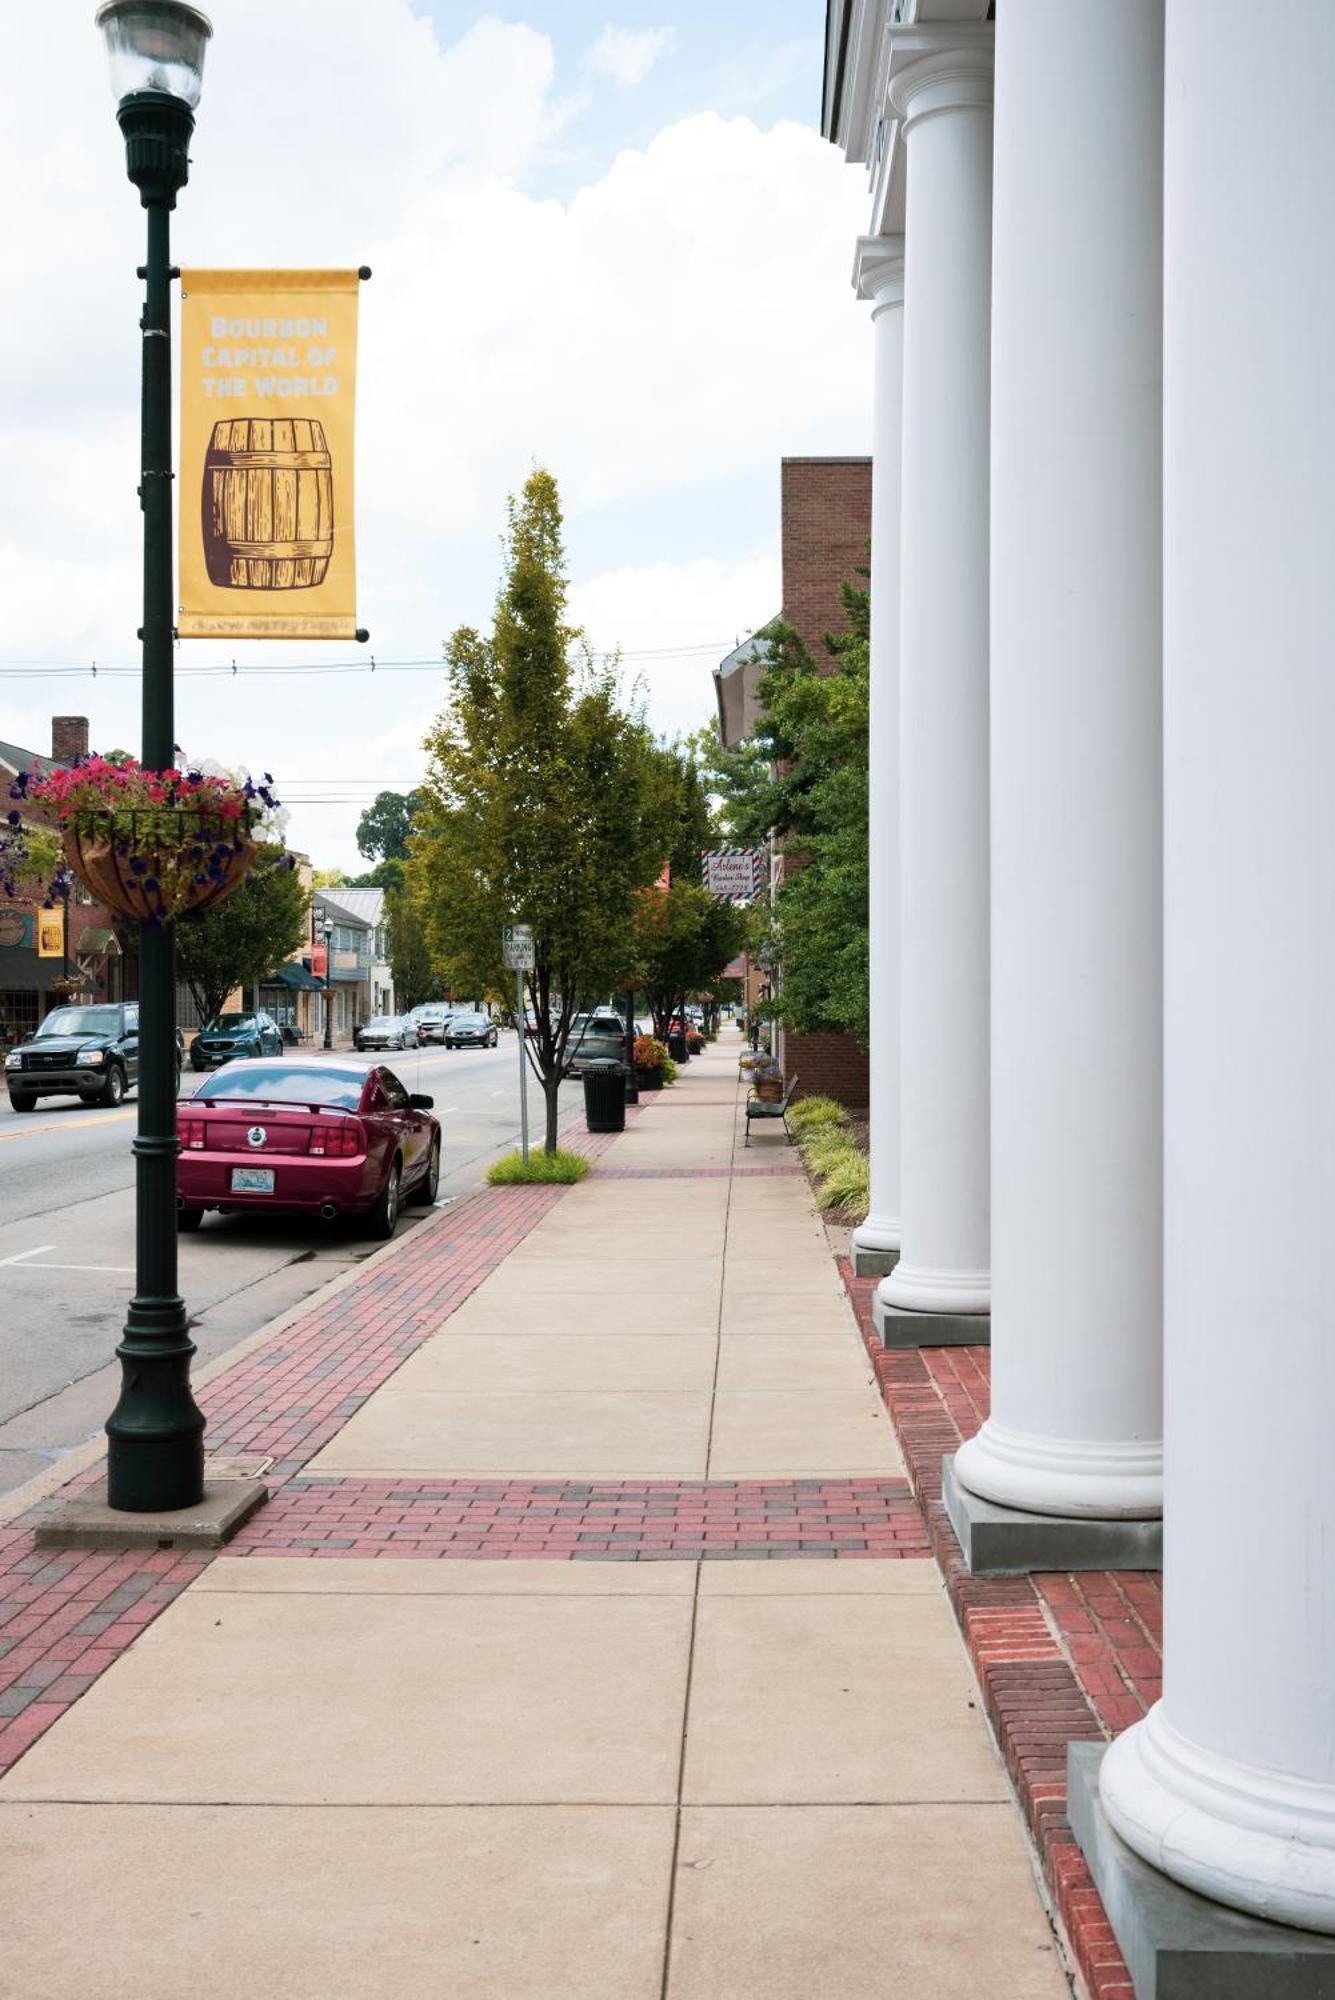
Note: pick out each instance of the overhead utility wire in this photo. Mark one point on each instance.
(236, 669)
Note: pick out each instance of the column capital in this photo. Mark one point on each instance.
(935, 70)
(878, 271)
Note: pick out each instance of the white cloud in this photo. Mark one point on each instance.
(627, 55)
(684, 319)
(702, 609)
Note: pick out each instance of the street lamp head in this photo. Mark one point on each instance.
(328, 928)
(155, 45)
(156, 49)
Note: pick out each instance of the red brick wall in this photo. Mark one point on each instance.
(825, 511)
(825, 520)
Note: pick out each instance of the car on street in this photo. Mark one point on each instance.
(87, 1051)
(596, 1037)
(470, 1031)
(430, 1020)
(305, 1137)
(227, 1036)
(386, 1031)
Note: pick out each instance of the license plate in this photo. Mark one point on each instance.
(252, 1180)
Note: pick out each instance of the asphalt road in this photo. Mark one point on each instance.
(67, 1243)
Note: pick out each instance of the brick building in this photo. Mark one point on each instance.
(30, 984)
(825, 527)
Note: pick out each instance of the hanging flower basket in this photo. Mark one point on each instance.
(152, 846)
(138, 874)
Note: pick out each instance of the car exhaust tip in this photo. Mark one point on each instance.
(328, 1211)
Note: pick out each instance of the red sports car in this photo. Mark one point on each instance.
(303, 1137)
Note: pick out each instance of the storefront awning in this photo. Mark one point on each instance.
(296, 978)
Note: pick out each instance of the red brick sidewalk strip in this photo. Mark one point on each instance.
(65, 1617)
(1059, 1658)
(604, 1521)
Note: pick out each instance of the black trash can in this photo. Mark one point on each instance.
(605, 1095)
(677, 1045)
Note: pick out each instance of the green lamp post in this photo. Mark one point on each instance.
(155, 1454)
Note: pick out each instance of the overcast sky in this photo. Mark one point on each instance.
(607, 238)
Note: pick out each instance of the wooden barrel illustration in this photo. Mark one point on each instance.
(268, 504)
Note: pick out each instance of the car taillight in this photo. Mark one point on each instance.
(190, 1131)
(336, 1140)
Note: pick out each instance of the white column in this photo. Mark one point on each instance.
(1077, 975)
(944, 97)
(1229, 1783)
(880, 277)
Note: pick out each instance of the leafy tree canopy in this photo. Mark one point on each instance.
(804, 776)
(415, 977)
(543, 804)
(683, 939)
(386, 827)
(245, 937)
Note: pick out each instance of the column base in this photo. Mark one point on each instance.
(895, 1327)
(1002, 1541)
(1252, 1838)
(874, 1248)
(1178, 1945)
(1092, 1478)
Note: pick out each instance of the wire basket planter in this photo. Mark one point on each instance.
(126, 864)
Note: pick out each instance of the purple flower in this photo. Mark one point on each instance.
(14, 819)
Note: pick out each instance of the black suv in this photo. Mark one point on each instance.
(92, 1051)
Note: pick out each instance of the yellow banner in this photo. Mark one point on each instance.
(268, 380)
(50, 933)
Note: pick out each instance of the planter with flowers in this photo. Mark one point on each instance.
(767, 1079)
(152, 845)
(650, 1058)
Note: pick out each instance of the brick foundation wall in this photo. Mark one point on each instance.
(825, 512)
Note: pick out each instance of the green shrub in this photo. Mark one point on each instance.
(669, 1072)
(557, 1169)
(809, 1112)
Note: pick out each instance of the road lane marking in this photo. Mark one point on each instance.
(126, 1270)
(68, 1125)
(20, 1255)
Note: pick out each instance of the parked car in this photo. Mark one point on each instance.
(385, 1031)
(596, 1037)
(470, 1031)
(229, 1035)
(305, 1136)
(90, 1052)
(430, 1020)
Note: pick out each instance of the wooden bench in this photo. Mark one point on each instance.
(755, 1109)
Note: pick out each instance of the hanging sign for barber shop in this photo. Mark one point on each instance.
(265, 500)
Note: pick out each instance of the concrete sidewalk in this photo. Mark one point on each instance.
(682, 1711)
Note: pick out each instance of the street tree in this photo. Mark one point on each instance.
(246, 936)
(541, 807)
(684, 939)
(415, 977)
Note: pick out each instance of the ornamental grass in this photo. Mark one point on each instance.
(558, 1169)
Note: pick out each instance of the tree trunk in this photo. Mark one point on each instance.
(550, 1087)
